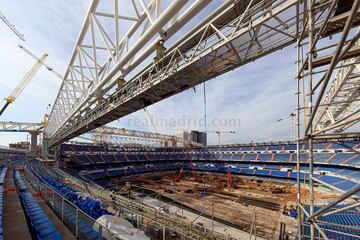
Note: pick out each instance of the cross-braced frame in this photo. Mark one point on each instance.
(327, 98)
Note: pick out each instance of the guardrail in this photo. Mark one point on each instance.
(166, 225)
(81, 225)
(129, 211)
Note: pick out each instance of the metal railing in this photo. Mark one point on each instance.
(155, 224)
(151, 228)
(78, 222)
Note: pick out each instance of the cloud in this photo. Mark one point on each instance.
(257, 94)
(51, 27)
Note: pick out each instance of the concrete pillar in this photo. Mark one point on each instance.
(33, 142)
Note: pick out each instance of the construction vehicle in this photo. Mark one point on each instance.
(229, 179)
(11, 26)
(195, 175)
(179, 176)
(24, 82)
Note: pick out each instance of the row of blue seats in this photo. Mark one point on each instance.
(85, 230)
(337, 182)
(335, 207)
(332, 232)
(153, 166)
(254, 147)
(275, 166)
(2, 178)
(351, 159)
(2, 175)
(39, 222)
(100, 148)
(90, 206)
(21, 185)
(172, 167)
(138, 169)
(345, 218)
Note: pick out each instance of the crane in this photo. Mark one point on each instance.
(24, 82)
(292, 119)
(179, 176)
(229, 179)
(151, 119)
(51, 69)
(11, 26)
(219, 134)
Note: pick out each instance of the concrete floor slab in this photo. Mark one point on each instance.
(14, 222)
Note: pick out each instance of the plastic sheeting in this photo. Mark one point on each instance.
(120, 228)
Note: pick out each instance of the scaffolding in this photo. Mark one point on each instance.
(327, 100)
(95, 93)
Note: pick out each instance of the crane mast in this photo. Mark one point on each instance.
(11, 26)
(292, 119)
(24, 82)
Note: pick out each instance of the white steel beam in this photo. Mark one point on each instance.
(105, 133)
(19, 126)
(225, 45)
(340, 107)
(100, 76)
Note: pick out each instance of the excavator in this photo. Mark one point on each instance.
(229, 179)
(179, 176)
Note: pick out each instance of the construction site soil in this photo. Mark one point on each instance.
(237, 202)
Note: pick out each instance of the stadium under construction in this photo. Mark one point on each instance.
(87, 179)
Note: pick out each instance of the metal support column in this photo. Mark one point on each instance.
(298, 79)
(312, 37)
(310, 105)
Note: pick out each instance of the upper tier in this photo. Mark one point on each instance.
(329, 153)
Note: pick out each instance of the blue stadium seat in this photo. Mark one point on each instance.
(38, 220)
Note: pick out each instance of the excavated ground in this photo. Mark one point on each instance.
(237, 204)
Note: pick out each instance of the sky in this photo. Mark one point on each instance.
(247, 101)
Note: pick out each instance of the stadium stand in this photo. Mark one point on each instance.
(39, 222)
(2, 178)
(92, 208)
(336, 163)
(350, 218)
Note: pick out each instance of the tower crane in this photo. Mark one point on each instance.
(291, 115)
(11, 26)
(24, 82)
(219, 134)
(51, 69)
(292, 119)
(151, 119)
